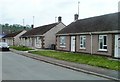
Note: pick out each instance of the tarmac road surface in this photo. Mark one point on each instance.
(17, 67)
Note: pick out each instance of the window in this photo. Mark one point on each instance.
(103, 42)
(82, 42)
(62, 41)
(118, 42)
(37, 40)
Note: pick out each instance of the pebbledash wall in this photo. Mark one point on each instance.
(46, 39)
(50, 37)
(88, 49)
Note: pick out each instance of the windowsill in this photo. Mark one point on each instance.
(102, 50)
(62, 46)
(82, 48)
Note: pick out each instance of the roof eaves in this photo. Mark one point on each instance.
(100, 32)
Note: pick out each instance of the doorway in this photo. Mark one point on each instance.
(117, 46)
(72, 43)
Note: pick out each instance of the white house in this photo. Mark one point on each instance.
(13, 38)
(42, 36)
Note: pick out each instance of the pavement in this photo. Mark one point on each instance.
(106, 73)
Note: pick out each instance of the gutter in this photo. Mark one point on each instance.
(99, 32)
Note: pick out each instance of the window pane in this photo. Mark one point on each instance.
(81, 46)
(101, 44)
(105, 40)
(105, 47)
(82, 41)
(84, 45)
(62, 41)
(81, 38)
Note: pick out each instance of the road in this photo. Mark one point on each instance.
(17, 67)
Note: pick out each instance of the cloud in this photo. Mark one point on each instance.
(45, 11)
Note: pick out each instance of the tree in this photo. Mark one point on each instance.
(6, 28)
(6, 25)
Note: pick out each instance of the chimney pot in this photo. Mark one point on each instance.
(32, 26)
(76, 17)
(59, 19)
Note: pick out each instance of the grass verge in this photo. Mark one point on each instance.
(21, 48)
(93, 60)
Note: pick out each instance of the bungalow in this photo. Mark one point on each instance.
(13, 38)
(1, 36)
(42, 36)
(95, 35)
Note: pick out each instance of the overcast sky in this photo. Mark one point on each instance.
(45, 11)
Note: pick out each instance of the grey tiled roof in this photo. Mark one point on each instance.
(39, 30)
(12, 34)
(107, 22)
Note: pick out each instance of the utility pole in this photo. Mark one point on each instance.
(32, 26)
(23, 22)
(78, 7)
(33, 19)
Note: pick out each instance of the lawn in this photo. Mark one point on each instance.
(21, 48)
(93, 60)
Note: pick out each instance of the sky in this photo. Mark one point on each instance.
(45, 11)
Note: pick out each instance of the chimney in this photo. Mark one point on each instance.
(76, 17)
(32, 26)
(59, 19)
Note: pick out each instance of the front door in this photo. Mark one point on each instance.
(72, 43)
(117, 46)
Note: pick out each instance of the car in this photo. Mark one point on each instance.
(4, 46)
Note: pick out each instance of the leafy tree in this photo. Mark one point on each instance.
(6, 28)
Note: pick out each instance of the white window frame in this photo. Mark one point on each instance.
(101, 38)
(62, 42)
(83, 42)
(37, 39)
